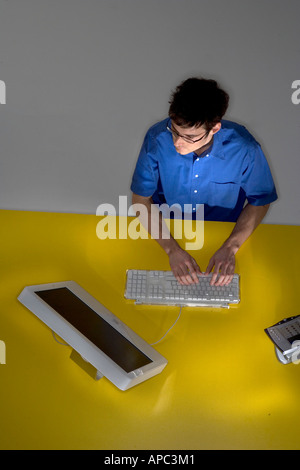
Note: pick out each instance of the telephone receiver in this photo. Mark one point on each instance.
(292, 355)
(286, 337)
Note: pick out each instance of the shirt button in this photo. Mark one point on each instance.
(195, 191)
(196, 176)
(197, 159)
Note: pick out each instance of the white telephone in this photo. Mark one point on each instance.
(286, 337)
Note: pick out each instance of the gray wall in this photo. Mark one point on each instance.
(86, 78)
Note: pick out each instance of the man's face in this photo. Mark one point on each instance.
(183, 137)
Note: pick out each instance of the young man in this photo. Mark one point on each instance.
(195, 157)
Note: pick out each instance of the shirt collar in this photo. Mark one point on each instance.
(217, 147)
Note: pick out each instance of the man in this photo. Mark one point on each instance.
(195, 157)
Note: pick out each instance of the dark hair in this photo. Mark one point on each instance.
(198, 101)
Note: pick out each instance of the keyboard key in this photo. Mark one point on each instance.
(161, 287)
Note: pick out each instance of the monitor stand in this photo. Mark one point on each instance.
(85, 365)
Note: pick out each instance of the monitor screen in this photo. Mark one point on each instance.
(94, 328)
(113, 349)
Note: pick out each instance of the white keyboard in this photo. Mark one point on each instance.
(162, 288)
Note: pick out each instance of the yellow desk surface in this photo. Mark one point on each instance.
(223, 387)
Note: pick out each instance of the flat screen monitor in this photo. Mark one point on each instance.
(100, 337)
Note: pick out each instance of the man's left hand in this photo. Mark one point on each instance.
(224, 263)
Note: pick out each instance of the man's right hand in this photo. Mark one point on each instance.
(184, 267)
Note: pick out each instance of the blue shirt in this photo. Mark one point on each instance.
(232, 171)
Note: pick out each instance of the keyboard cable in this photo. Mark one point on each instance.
(151, 344)
(156, 342)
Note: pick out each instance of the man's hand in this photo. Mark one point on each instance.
(183, 266)
(224, 259)
(224, 263)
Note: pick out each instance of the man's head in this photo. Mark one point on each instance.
(198, 102)
(196, 108)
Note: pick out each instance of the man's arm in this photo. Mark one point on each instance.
(183, 266)
(224, 259)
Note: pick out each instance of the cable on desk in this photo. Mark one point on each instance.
(152, 344)
(63, 344)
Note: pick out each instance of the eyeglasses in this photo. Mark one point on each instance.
(187, 139)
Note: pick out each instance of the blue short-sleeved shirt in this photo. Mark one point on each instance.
(232, 171)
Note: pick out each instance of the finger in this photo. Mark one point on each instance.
(210, 266)
(229, 279)
(214, 278)
(179, 276)
(196, 266)
(222, 276)
(195, 278)
(183, 277)
(221, 280)
(186, 279)
(178, 279)
(190, 278)
(191, 275)
(198, 270)
(226, 276)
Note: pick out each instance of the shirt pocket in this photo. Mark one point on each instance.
(223, 194)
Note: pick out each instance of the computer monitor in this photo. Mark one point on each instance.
(100, 337)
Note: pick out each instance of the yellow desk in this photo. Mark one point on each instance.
(223, 387)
